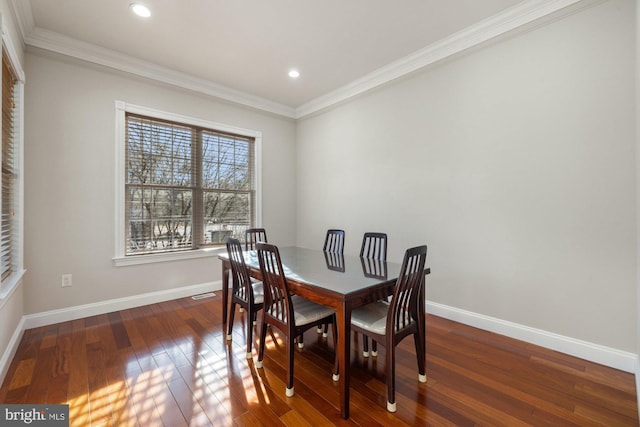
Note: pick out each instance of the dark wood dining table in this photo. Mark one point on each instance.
(342, 282)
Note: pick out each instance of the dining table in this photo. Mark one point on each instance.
(342, 282)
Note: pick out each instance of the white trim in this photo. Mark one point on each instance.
(24, 17)
(10, 351)
(55, 42)
(637, 375)
(102, 307)
(14, 60)
(121, 108)
(518, 16)
(10, 285)
(508, 20)
(122, 261)
(607, 356)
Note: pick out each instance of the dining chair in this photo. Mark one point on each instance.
(253, 236)
(291, 314)
(334, 241)
(373, 249)
(245, 293)
(374, 246)
(390, 322)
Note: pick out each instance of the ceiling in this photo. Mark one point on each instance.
(241, 50)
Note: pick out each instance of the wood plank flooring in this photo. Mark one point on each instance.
(169, 364)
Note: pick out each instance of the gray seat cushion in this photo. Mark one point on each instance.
(307, 311)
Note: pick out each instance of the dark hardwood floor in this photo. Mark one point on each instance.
(169, 364)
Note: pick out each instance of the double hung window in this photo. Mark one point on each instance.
(7, 229)
(11, 178)
(188, 184)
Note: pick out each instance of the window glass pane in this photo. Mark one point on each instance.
(226, 215)
(226, 162)
(158, 153)
(159, 219)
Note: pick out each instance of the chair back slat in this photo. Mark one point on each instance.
(334, 241)
(374, 246)
(241, 282)
(253, 236)
(403, 310)
(277, 299)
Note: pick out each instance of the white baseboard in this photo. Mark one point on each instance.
(607, 356)
(86, 310)
(11, 349)
(637, 372)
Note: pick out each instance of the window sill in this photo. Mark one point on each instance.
(10, 285)
(123, 261)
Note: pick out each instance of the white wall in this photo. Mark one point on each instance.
(70, 178)
(515, 164)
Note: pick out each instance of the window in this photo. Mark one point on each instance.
(187, 184)
(11, 226)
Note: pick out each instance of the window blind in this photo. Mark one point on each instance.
(8, 173)
(186, 186)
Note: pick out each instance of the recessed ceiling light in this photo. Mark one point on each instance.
(140, 10)
(294, 74)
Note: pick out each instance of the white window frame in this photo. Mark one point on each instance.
(121, 109)
(10, 284)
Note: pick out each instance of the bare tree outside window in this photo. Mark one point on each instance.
(186, 187)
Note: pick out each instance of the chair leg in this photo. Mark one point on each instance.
(365, 346)
(263, 337)
(374, 348)
(290, 343)
(336, 365)
(250, 316)
(422, 377)
(325, 333)
(390, 361)
(232, 311)
(301, 341)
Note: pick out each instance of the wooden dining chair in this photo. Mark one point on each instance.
(373, 249)
(245, 293)
(291, 314)
(253, 236)
(374, 246)
(334, 241)
(390, 322)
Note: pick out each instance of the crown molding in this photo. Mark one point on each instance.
(24, 17)
(55, 42)
(520, 16)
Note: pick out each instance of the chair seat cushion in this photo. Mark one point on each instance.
(258, 292)
(371, 317)
(307, 311)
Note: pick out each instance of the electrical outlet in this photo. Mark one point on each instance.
(66, 280)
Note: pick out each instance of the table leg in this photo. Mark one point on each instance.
(343, 317)
(225, 290)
